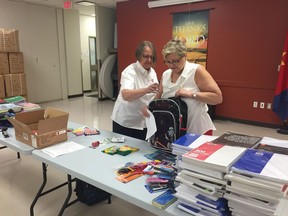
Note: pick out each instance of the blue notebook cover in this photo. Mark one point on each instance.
(220, 203)
(263, 164)
(190, 209)
(252, 161)
(199, 211)
(186, 140)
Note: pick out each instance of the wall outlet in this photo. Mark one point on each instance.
(255, 104)
(262, 105)
(269, 106)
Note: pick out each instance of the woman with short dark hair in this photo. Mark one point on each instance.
(139, 85)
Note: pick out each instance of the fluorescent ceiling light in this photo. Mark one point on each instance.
(163, 3)
(85, 3)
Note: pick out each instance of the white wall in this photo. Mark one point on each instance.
(39, 43)
(73, 51)
(106, 19)
(51, 44)
(87, 28)
(42, 32)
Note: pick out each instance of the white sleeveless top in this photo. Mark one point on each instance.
(198, 120)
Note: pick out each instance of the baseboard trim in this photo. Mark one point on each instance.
(261, 124)
(74, 96)
(103, 99)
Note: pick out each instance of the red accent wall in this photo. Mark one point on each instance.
(245, 45)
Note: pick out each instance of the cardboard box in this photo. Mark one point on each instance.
(2, 87)
(16, 62)
(41, 128)
(15, 84)
(4, 63)
(9, 40)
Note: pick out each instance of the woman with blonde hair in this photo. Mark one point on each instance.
(193, 83)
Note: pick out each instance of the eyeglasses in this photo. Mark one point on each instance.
(146, 57)
(176, 41)
(173, 62)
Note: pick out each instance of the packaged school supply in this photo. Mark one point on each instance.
(171, 120)
(122, 150)
(164, 200)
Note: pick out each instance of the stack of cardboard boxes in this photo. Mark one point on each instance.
(39, 128)
(12, 76)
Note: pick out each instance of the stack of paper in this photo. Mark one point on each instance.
(273, 145)
(15, 99)
(197, 203)
(200, 194)
(282, 207)
(204, 165)
(206, 171)
(238, 139)
(219, 154)
(213, 156)
(264, 165)
(5, 107)
(202, 183)
(258, 180)
(243, 205)
(28, 106)
(189, 142)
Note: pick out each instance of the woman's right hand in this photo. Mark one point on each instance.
(153, 88)
(145, 112)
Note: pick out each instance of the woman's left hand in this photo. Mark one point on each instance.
(182, 93)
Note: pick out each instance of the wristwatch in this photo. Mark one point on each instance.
(194, 95)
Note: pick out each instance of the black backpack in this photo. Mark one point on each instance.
(90, 194)
(171, 120)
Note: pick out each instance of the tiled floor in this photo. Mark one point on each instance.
(21, 178)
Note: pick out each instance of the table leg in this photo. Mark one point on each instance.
(18, 154)
(42, 193)
(66, 204)
(39, 193)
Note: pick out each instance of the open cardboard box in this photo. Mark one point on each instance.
(41, 128)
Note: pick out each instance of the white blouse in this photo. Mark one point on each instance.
(198, 120)
(129, 113)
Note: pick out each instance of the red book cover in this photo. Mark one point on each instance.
(203, 151)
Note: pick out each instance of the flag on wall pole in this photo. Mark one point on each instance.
(280, 103)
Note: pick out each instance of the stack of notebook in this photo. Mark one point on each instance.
(201, 194)
(258, 180)
(28, 106)
(203, 169)
(188, 142)
(5, 107)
